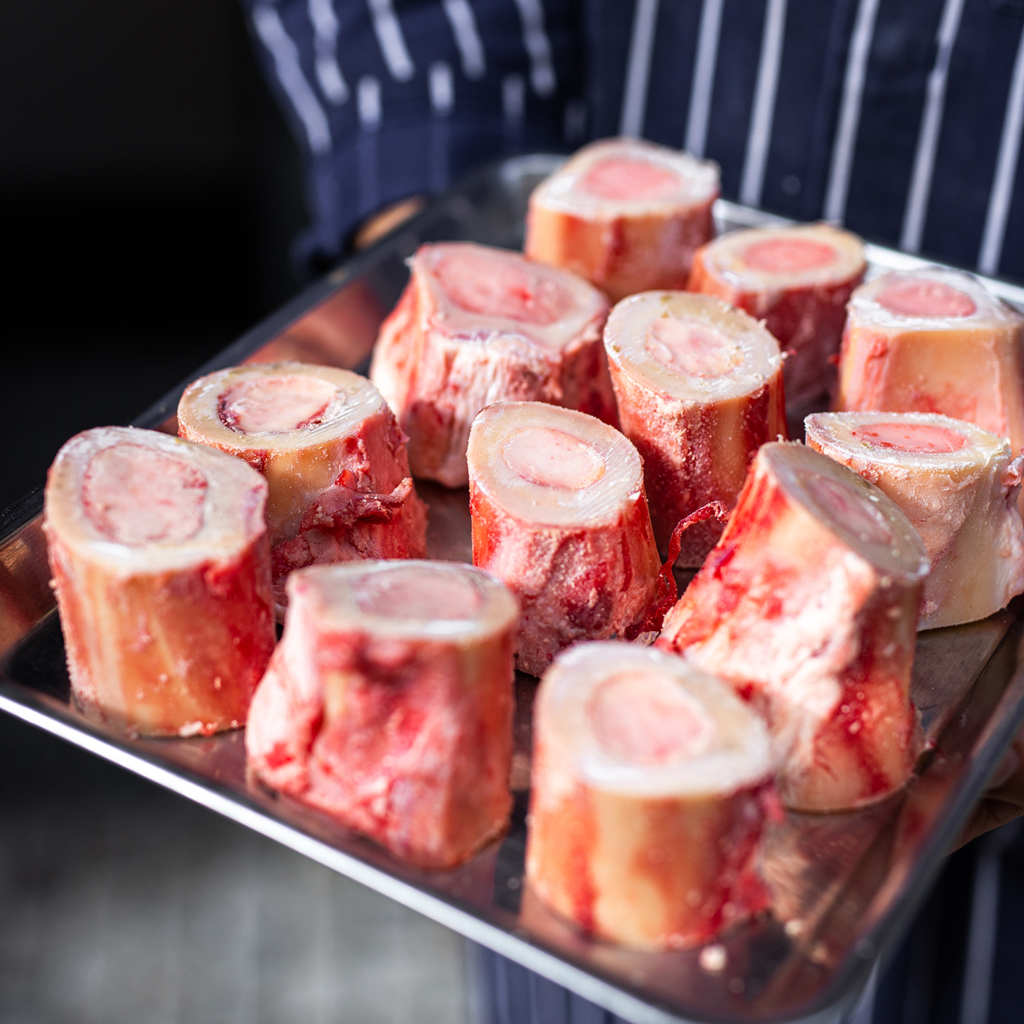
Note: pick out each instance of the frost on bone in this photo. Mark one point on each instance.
(161, 568)
(650, 786)
(477, 325)
(808, 604)
(625, 214)
(958, 486)
(388, 704)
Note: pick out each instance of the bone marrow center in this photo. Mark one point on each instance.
(552, 458)
(926, 298)
(694, 348)
(492, 285)
(624, 179)
(411, 593)
(788, 255)
(914, 438)
(648, 718)
(136, 495)
(272, 405)
(849, 507)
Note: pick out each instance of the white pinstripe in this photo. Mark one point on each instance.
(328, 73)
(849, 112)
(513, 98)
(931, 124)
(763, 113)
(638, 70)
(1006, 171)
(368, 103)
(391, 41)
(467, 38)
(442, 88)
(703, 76)
(285, 54)
(538, 48)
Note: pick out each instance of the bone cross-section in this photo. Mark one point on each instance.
(808, 604)
(699, 389)
(797, 281)
(477, 325)
(625, 214)
(388, 704)
(934, 340)
(559, 513)
(161, 567)
(649, 790)
(958, 486)
(331, 451)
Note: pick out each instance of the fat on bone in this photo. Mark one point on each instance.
(934, 341)
(332, 453)
(797, 281)
(650, 788)
(699, 389)
(388, 704)
(161, 568)
(808, 605)
(625, 214)
(559, 513)
(958, 486)
(477, 325)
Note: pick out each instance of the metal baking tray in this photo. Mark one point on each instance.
(845, 885)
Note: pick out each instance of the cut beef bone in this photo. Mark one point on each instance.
(699, 387)
(797, 280)
(559, 513)
(388, 704)
(331, 451)
(649, 789)
(958, 486)
(477, 325)
(808, 605)
(161, 566)
(934, 340)
(625, 214)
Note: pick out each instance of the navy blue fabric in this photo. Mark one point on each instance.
(416, 151)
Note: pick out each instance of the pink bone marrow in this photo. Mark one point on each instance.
(788, 255)
(914, 438)
(621, 178)
(552, 458)
(414, 595)
(275, 404)
(696, 349)
(494, 286)
(926, 298)
(647, 718)
(135, 495)
(848, 506)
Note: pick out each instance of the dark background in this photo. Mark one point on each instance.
(149, 191)
(148, 194)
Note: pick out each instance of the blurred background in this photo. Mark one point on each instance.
(149, 192)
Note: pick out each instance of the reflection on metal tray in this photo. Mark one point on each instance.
(844, 885)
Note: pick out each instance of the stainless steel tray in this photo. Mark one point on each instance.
(845, 885)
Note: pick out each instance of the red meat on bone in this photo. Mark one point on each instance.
(161, 568)
(797, 281)
(808, 605)
(477, 325)
(331, 451)
(625, 214)
(388, 704)
(699, 389)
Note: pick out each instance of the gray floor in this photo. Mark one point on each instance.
(120, 902)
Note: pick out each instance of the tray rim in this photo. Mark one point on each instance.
(843, 989)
